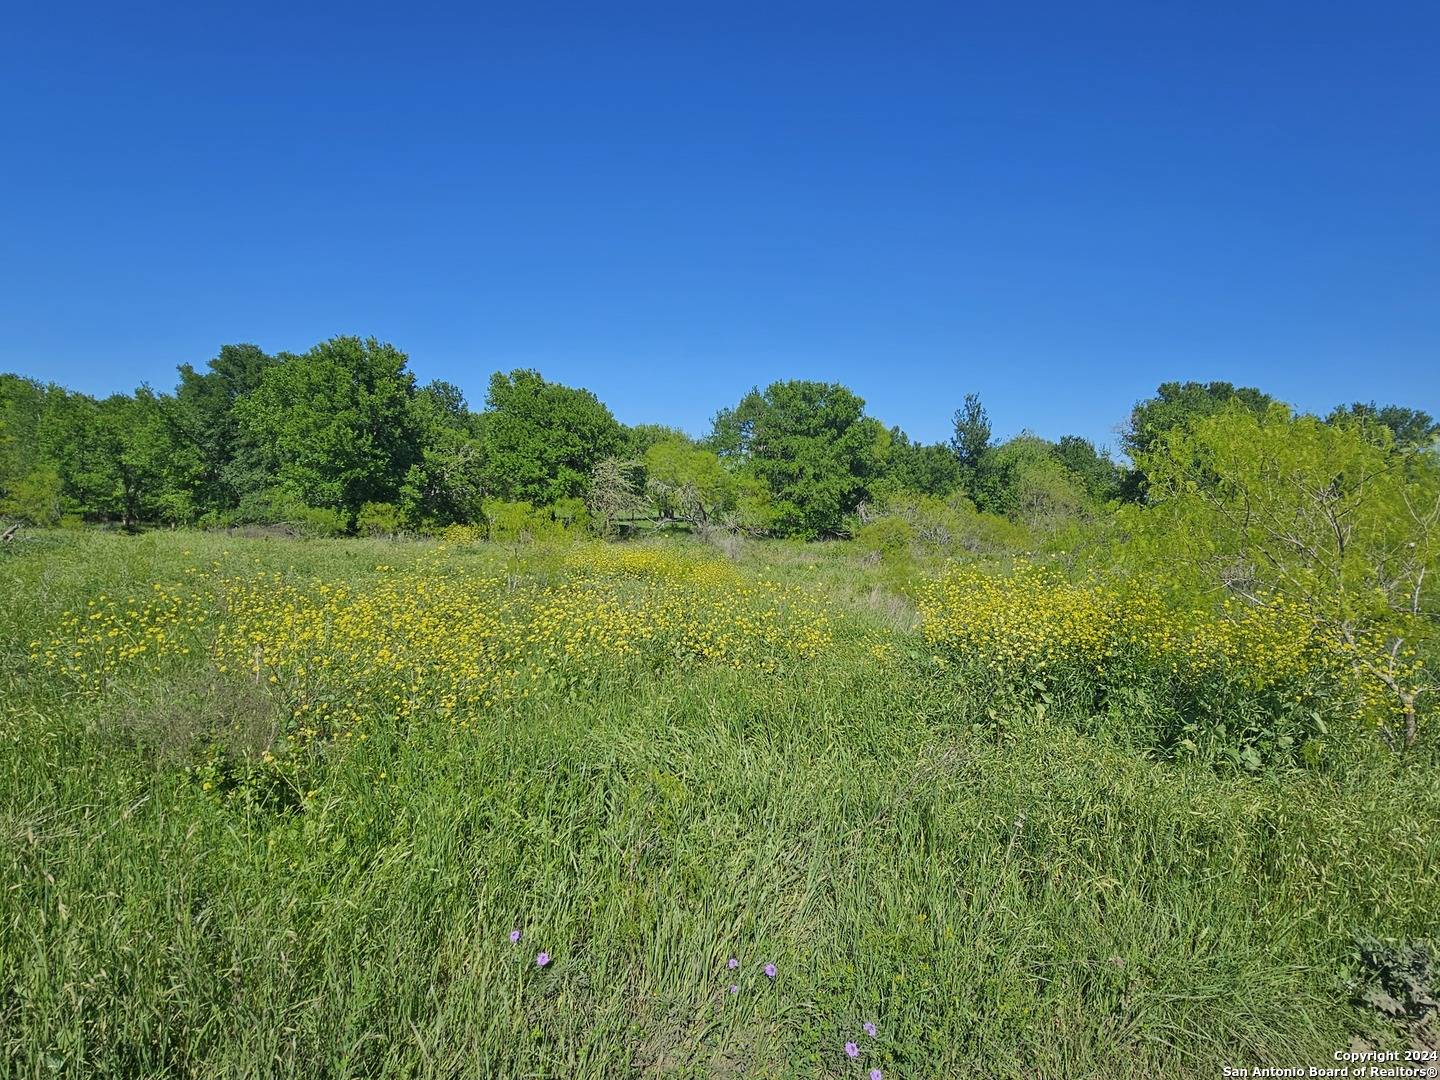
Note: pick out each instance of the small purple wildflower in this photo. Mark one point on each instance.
(514, 936)
(732, 963)
(541, 959)
(869, 1029)
(734, 988)
(769, 971)
(876, 1074)
(851, 1050)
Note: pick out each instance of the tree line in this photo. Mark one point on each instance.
(342, 438)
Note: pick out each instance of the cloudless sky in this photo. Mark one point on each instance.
(1055, 205)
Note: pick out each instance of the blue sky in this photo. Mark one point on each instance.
(1056, 206)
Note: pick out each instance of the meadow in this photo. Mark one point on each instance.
(452, 808)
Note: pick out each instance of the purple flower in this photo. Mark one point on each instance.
(541, 959)
(734, 988)
(514, 936)
(869, 1029)
(770, 971)
(851, 1050)
(732, 963)
(876, 1074)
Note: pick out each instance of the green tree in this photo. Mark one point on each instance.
(1408, 427)
(687, 482)
(1175, 406)
(1024, 480)
(812, 446)
(446, 485)
(1100, 476)
(540, 440)
(1326, 516)
(157, 468)
(335, 427)
(972, 433)
(34, 496)
(931, 469)
(641, 437)
(205, 414)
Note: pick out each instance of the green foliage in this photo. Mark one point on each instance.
(211, 431)
(916, 467)
(688, 483)
(1325, 515)
(889, 538)
(335, 426)
(1025, 480)
(972, 433)
(284, 509)
(1407, 427)
(572, 515)
(34, 497)
(812, 446)
(446, 485)
(378, 519)
(1101, 477)
(640, 438)
(1177, 405)
(521, 523)
(540, 440)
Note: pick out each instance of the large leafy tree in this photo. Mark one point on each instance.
(58, 441)
(925, 469)
(1024, 479)
(205, 415)
(541, 440)
(335, 426)
(1407, 427)
(446, 484)
(812, 446)
(156, 471)
(1175, 406)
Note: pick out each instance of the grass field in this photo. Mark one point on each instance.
(274, 807)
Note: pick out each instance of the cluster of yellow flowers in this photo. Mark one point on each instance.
(1032, 620)
(654, 563)
(440, 637)
(90, 646)
(462, 534)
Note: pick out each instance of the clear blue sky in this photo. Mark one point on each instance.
(1055, 205)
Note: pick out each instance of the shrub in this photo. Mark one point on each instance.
(377, 519)
(522, 523)
(284, 509)
(888, 537)
(33, 498)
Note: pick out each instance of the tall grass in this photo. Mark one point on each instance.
(1028, 900)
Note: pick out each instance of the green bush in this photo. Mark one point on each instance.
(888, 537)
(521, 522)
(33, 498)
(286, 510)
(377, 519)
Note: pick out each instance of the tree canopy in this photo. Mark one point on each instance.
(540, 440)
(812, 446)
(342, 437)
